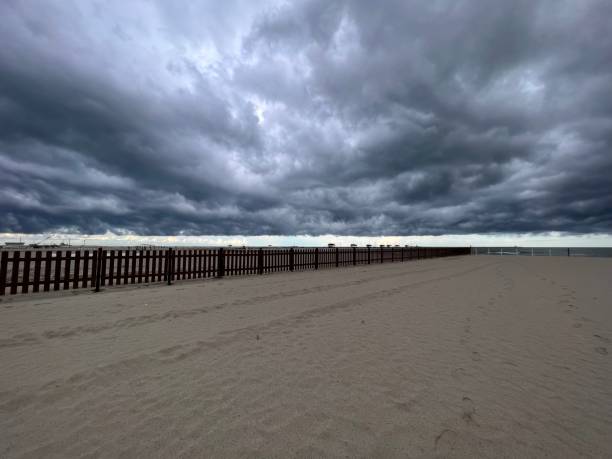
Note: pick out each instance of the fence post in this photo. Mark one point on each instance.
(369, 260)
(381, 254)
(402, 249)
(354, 256)
(221, 263)
(336, 257)
(98, 268)
(291, 259)
(317, 258)
(260, 261)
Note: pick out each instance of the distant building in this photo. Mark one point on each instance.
(353, 245)
(331, 245)
(14, 244)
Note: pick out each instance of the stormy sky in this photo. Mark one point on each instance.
(306, 118)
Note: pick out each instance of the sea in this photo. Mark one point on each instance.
(545, 251)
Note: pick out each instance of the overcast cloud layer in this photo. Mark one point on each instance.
(317, 117)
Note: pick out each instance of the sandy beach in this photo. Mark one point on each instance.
(481, 356)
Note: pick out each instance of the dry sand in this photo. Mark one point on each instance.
(458, 357)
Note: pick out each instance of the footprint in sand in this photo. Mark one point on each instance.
(404, 406)
(458, 373)
(577, 325)
(602, 338)
(476, 356)
(469, 410)
(601, 350)
(445, 441)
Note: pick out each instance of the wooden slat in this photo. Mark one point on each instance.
(94, 267)
(25, 282)
(37, 267)
(77, 267)
(175, 263)
(102, 265)
(47, 273)
(67, 264)
(140, 262)
(15, 272)
(153, 272)
(147, 265)
(85, 278)
(119, 266)
(133, 266)
(57, 270)
(160, 266)
(111, 267)
(96, 273)
(167, 265)
(126, 266)
(3, 269)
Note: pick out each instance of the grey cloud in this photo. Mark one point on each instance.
(307, 117)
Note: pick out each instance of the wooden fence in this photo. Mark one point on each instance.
(43, 271)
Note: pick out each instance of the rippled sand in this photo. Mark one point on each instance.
(459, 357)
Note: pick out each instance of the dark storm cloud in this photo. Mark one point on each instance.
(306, 118)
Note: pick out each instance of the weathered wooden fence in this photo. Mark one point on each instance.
(36, 271)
